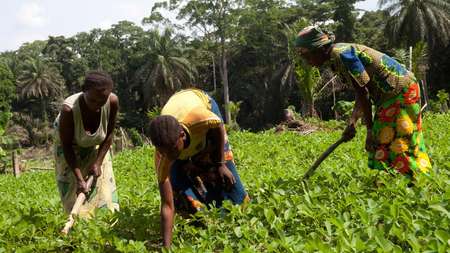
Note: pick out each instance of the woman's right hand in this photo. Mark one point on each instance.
(82, 186)
(349, 132)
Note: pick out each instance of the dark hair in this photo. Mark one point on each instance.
(164, 131)
(96, 78)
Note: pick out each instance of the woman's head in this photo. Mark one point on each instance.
(313, 45)
(167, 136)
(97, 87)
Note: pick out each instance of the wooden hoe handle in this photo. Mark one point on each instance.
(76, 207)
(321, 158)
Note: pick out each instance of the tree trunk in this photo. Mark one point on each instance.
(214, 73)
(224, 76)
(44, 110)
(307, 108)
(16, 165)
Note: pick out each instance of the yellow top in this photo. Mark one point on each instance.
(192, 109)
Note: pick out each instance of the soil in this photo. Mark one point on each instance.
(296, 126)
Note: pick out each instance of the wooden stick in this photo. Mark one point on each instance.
(321, 158)
(16, 164)
(76, 207)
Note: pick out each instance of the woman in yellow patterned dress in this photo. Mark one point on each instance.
(83, 137)
(394, 135)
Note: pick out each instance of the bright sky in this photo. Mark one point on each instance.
(28, 20)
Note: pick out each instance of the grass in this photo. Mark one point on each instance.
(344, 208)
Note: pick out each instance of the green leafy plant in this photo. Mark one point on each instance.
(345, 207)
(440, 104)
(234, 108)
(136, 137)
(343, 109)
(154, 112)
(443, 99)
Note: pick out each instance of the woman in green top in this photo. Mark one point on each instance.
(394, 134)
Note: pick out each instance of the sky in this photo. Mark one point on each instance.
(29, 20)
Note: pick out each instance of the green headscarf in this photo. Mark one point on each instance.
(311, 38)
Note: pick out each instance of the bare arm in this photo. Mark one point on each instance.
(363, 108)
(218, 155)
(218, 135)
(362, 105)
(167, 211)
(66, 134)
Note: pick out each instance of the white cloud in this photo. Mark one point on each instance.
(31, 14)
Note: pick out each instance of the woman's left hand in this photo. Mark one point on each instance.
(370, 141)
(226, 175)
(95, 170)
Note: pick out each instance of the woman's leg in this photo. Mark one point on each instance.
(237, 193)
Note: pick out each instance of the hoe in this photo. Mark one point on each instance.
(76, 207)
(321, 158)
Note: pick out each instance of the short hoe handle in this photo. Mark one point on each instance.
(321, 158)
(76, 207)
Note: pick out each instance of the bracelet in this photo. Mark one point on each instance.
(221, 162)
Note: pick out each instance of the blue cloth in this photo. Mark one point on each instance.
(184, 186)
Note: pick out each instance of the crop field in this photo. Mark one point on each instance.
(345, 207)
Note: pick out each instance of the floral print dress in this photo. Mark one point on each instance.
(397, 123)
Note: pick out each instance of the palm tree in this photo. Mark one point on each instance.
(166, 69)
(418, 20)
(39, 79)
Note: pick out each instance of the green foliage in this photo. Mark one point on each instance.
(308, 79)
(37, 132)
(344, 208)
(136, 137)
(38, 78)
(154, 112)
(401, 55)
(369, 30)
(344, 108)
(345, 18)
(166, 70)
(419, 20)
(72, 68)
(240, 46)
(234, 108)
(419, 59)
(3, 154)
(441, 102)
(7, 94)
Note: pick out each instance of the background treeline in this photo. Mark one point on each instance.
(238, 51)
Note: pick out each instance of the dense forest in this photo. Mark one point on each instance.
(238, 51)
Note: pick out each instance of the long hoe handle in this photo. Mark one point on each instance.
(321, 158)
(76, 207)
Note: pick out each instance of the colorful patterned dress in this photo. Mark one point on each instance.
(197, 113)
(85, 146)
(397, 124)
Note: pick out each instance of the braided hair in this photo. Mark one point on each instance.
(164, 131)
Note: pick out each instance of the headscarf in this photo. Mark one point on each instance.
(311, 38)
